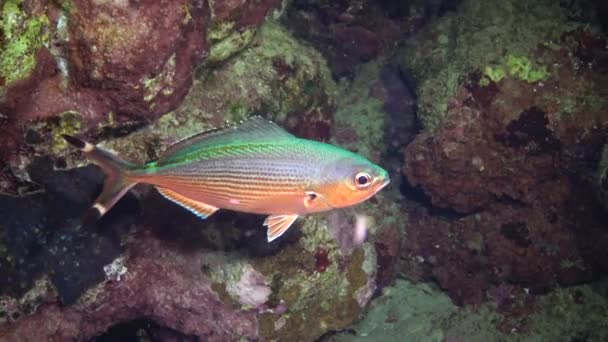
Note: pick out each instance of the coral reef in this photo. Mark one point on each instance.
(494, 154)
(40, 233)
(352, 33)
(510, 159)
(421, 312)
(466, 41)
(141, 56)
(298, 287)
(22, 36)
(160, 283)
(276, 75)
(117, 65)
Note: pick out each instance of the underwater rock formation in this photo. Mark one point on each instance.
(351, 33)
(277, 76)
(202, 278)
(420, 312)
(299, 287)
(156, 282)
(532, 37)
(111, 67)
(601, 177)
(139, 56)
(499, 152)
(509, 150)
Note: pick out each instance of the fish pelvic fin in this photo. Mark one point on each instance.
(117, 182)
(278, 225)
(199, 209)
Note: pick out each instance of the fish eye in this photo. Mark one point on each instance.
(363, 179)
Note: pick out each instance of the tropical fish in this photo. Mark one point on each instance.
(253, 167)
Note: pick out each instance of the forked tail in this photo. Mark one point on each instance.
(117, 181)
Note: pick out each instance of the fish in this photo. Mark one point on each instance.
(254, 167)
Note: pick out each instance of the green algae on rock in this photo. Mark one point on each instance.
(21, 37)
(249, 82)
(228, 46)
(418, 311)
(466, 41)
(318, 298)
(516, 66)
(360, 118)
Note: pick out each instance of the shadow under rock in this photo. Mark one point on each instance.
(41, 232)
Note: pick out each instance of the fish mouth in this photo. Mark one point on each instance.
(385, 182)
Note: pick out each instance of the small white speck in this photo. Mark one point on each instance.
(234, 201)
(279, 323)
(360, 233)
(116, 269)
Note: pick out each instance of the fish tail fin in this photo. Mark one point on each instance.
(118, 180)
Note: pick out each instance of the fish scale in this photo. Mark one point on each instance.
(255, 167)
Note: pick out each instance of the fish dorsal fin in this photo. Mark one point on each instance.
(254, 129)
(278, 224)
(199, 209)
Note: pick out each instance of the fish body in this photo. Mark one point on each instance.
(254, 167)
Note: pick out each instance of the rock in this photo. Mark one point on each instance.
(441, 56)
(286, 81)
(501, 112)
(535, 246)
(233, 25)
(469, 166)
(351, 33)
(298, 287)
(42, 236)
(348, 34)
(25, 30)
(240, 14)
(507, 159)
(602, 178)
(212, 265)
(116, 65)
(140, 55)
(411, 311)
(154, 275)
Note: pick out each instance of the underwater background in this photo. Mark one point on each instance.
(491, 118)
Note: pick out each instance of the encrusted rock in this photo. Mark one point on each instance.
(508, 160)
(161, 283)
(285, 80)
(140, 55)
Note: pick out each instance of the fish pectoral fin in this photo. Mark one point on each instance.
(278, 224)
(199, 209)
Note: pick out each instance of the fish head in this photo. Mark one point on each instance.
(350, 181)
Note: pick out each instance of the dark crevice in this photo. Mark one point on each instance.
(416, 194)
(142, 329)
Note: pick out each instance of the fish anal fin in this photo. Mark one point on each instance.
(200, 209)
(278, 225)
